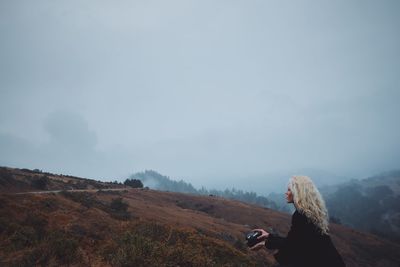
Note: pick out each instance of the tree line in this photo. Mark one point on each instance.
(154, 180)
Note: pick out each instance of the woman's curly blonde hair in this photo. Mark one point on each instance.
(309, 201)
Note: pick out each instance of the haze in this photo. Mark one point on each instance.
(218, 93)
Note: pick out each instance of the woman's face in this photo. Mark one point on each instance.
(289, 196)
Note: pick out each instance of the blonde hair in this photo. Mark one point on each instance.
(309, 201)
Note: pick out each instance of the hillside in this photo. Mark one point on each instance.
(388, 179)
(25, 180)
(139, 227)
(370, 204)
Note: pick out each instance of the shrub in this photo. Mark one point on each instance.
(119, 209)
(23, 237)
(109, 192)
(38, 223)
(62, 247)
(6, 176)
(48, 204)
(135, 183)
(118, 205)
(86, 199)
(40, 183)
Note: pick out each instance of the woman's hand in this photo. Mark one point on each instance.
(262, 238)
(258, 246)
(264, 234)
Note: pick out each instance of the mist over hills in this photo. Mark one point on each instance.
(74, 221)
(369, 204)
(266, 182)
(154, 180)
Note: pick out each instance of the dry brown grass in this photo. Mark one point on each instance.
(162, 229)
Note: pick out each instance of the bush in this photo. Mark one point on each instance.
(48, 204)
(37, 222)
(135, 183)
(119, 209)
(86, 199)
(63, 248)
(6, 176)
(23, 237)
(40, 183)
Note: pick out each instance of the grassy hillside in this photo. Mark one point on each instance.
(25, 180)
(138, 227)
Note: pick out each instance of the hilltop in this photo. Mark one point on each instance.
(142, 227)
(14, 180)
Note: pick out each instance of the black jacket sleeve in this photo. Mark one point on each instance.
(275, 241)
(288, 252)
(304, 245)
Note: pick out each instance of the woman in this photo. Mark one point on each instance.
(308, 243)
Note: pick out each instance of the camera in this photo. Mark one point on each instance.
(251, 238)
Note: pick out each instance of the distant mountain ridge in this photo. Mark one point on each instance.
(371, 204)
(389, 179)
(154, 180)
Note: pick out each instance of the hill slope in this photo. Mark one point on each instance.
(139, 227)
(370, 204)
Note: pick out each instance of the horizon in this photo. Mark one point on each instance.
(279, 186)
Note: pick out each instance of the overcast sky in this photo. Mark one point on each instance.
(206, 91)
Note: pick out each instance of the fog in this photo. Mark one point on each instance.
(217, 93)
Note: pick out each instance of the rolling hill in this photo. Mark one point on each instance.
(93, 226)
(370, 205)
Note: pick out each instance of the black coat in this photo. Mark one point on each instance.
(304, 246)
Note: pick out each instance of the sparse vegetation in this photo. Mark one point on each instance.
(154, 244)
